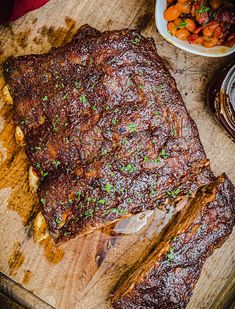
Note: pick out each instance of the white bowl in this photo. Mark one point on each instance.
(161, 23)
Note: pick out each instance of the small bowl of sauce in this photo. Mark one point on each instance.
(221, 98)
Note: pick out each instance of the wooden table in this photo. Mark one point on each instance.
(83, 272)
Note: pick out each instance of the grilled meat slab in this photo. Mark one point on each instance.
(106, 130)
(166, 279)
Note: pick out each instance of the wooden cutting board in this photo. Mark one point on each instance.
(83, 272)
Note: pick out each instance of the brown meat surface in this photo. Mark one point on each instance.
(166, 279)
(105, 128)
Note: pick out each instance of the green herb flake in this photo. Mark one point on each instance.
(76, 84)
(170, 254)
(173, 193)
(54, 127)
(78, 194)
(83, 99)
(157, 160)
(135, 41)
(65, 96)
(56, 163)
(203, 9)
(131, 127)
(43, 201)
(146, 159)
(128, 168)
(118, 211)
(70, 201)
(129, 200)
(57, 220)
(94, 108)
(108, 187)
(182, 24)
(89, 213)
(153, 193)
(114, 121)
(102, 201)
(163, 154)
(173, 132)
(45, 98)
(38, 166)
(157, 113)
(23, 122)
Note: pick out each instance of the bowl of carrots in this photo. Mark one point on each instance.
(202, 27)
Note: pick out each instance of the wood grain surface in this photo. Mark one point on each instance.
(83, 272)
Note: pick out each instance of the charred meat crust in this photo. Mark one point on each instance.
(166, 279)
(105, 128)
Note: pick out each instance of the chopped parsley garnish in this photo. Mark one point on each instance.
(170, 254)
(153, 192)
(70, 201)
(94, 108)
(78, 194)
(182, 24)
(173, 193)
(83, 99)
(54, 127)
(129, 200)
(173, 132)
(131, 127)
(125, 140)
(135, 41)
(203, 9)
(141, 86)
(45, 98)
(76, 84)
(38, 166)
(65, 96)
(118, 211)
(157, 160)
(128, 168)
(108, 187)
(114, 121)
(89, 213)
(43, 201)
(146, 159)
(56, 163)
(163, 154)
(57, 220)
(91, 199)
(102, 201)
(157, 113)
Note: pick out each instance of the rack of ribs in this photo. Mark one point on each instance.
(167, 277)
(105, 129)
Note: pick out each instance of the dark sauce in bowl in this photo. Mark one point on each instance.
(221, 98)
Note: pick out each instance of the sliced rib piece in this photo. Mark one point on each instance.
(166, 279)
(105, 128)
